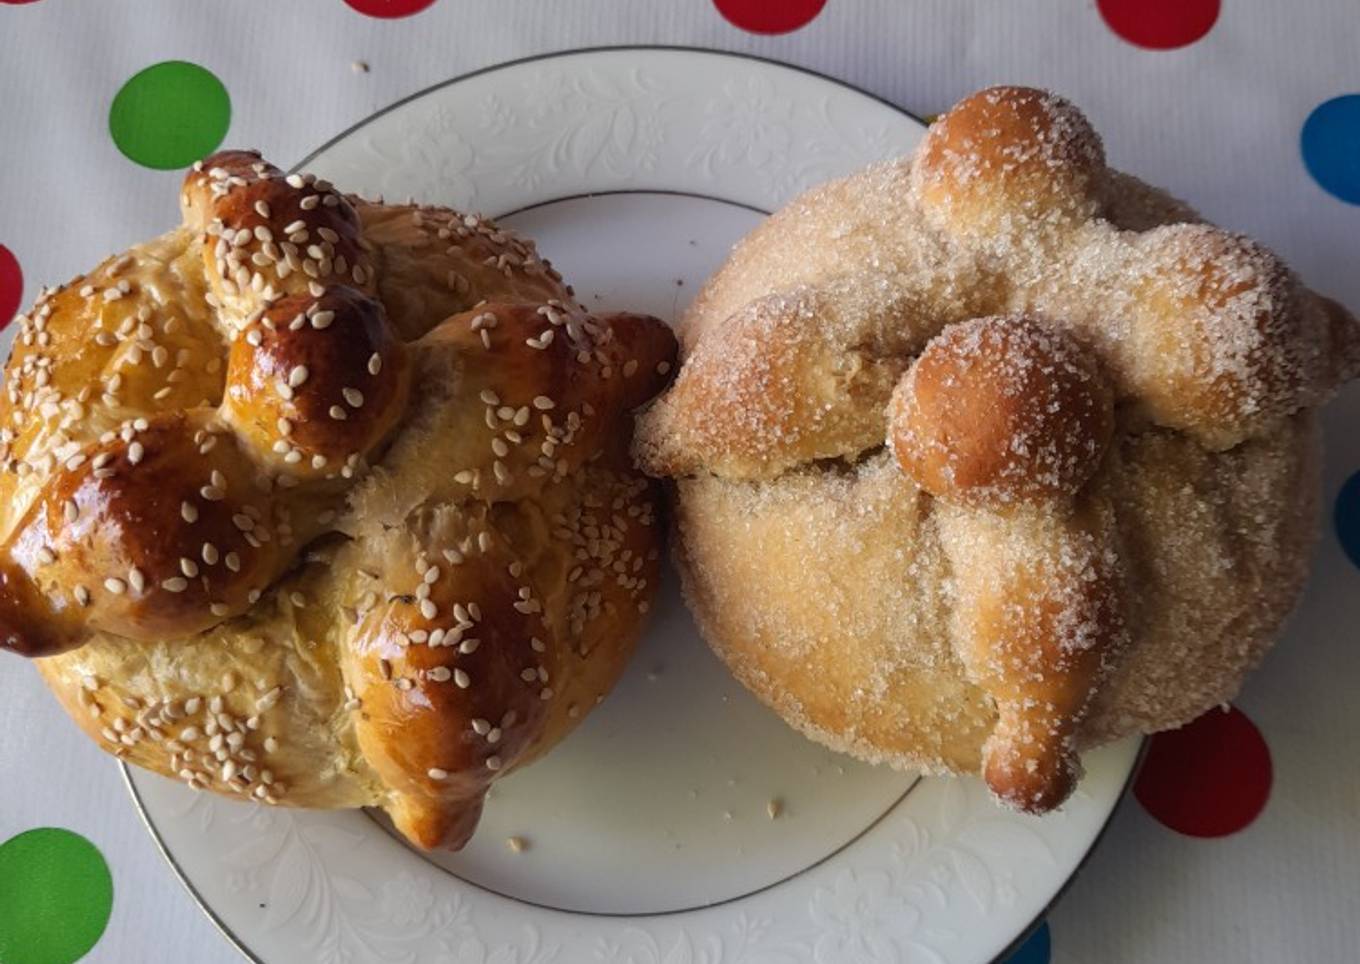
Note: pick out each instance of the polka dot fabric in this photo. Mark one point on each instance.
(1210, 778)
(170, 115)
(389, 9)
(11, 286)
(1160, 24)
(1037, 948)
(1331, 147)
(56, 895)
(1347, 518)
(770, 16)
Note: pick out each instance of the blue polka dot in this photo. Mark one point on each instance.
(1036, 950)
(1348, 517)
(1331, 146)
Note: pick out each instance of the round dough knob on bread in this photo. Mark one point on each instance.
(1001, 410)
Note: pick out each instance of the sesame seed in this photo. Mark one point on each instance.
(461, 679)
(493, 762)
(212, 493)
(233, 562)
(46, 556)
(480, 726)
(136, 580)
(663, 368)
(175, 584)
(188, 512)
(297, 376)
(82, 595)
(440, 674)
(262, 209)
(516, 844)
(428, 609)
(435, 773)
(374, 363)
(337, 413)
(218, 609)
(135, 452)
(543, 403)
(295, 181)
(774, 808)
(270, 746)
(188, 567)
(297, 599)
(322, 319)
(469, 646)
(285, 391)
(115, 586)
(267, 702)
(210, 555)
(353, 396)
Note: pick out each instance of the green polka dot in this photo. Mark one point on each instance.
(55, 897)
(170, 115)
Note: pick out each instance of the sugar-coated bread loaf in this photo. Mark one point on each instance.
(994, 453)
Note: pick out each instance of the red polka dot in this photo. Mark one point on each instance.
(11, 286)
(389, 9)
(769, 16)
(1160, 24)
(15, 3)
(1208, 779)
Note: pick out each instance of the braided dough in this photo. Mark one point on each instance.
(326, 503)
(993, 454)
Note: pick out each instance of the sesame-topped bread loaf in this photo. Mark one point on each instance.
(992, 454)
(326, 503)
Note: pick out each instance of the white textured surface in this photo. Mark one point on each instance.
(1215, 123)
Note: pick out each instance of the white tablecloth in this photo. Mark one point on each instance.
(1216, 122)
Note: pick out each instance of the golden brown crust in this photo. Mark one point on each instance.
(240, 460)
(1103, 414)
(316, 383)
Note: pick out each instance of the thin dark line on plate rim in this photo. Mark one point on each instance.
(656, 913)
(582, 51)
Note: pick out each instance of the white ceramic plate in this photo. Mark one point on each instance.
(649, 834)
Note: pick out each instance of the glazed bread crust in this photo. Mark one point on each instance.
(994, 453)
(326, 503)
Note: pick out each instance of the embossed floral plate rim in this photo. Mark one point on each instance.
(944, 877)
